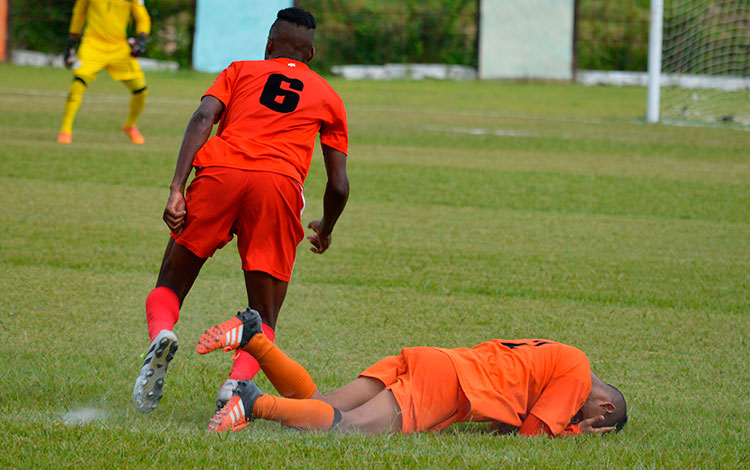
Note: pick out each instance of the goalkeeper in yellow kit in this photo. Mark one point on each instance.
(105, 45)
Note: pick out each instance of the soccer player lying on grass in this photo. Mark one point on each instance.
(538, 386)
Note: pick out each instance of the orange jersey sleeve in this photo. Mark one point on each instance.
(565, 392)
(506, 380)
(274, 111)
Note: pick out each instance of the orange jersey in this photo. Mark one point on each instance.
(505, 380)
(274, 110)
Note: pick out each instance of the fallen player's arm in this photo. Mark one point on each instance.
(533, 426)
(587, 426)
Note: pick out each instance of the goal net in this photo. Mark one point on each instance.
(706, 61)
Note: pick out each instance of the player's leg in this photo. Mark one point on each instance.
(125, 68)
(353, 394)
(379, 414)
(178, 272)
(179, 269)
(72, 104)
(268, 232)
(211, 215)
(290, 379)
(139, 91)
(85, 70)
(244, 333)
(265, 294)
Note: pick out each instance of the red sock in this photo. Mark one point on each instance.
(162, 310)
(245, 366)
(309, 415)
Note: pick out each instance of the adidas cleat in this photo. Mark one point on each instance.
(225, 393)
(149, 385)
(238, 412)
(232, 334)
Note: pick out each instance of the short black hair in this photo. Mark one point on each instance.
(619, 417)
(297, 16)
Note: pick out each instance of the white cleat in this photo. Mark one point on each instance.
(149, 385)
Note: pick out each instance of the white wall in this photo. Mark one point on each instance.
(526, 39)
(229, 30)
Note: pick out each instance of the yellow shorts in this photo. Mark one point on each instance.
(94, 55)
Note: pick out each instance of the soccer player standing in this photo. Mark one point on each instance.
(105, 45)
(249, 179)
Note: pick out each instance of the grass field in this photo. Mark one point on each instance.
(477, 211)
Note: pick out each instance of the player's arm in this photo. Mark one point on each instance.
(142, 28)
(587, 426)
(77, 20)
(334, 199)
(197, 133)
(533, 426)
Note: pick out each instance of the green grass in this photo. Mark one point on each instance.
(478, 210)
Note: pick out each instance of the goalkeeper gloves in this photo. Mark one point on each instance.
(139, 44)
(69, 53)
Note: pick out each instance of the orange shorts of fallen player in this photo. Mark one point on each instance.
(262, 208)
(424, 382)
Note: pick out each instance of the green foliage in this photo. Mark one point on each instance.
(613, 35)
(173, 24)
(477, 210)
(39, 25)
(43, 26)
(366, 32)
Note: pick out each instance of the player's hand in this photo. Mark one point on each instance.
(320, 241)
(69, 53)
(138, 44)
(175, 212)
(587, 425)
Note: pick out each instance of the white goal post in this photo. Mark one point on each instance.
(699, 61)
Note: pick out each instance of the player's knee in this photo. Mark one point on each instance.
(143, 91)
(81, 80)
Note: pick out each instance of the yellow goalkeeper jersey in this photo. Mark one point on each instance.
(107, 20)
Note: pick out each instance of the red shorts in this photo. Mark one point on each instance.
(262, 208)
(426, 387)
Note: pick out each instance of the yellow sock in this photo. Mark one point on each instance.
(309, 415)
(137, 86)
(75, 96)
(289, 378)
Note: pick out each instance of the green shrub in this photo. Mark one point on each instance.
(43, 26)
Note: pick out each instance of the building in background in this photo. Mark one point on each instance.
(227, 30)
